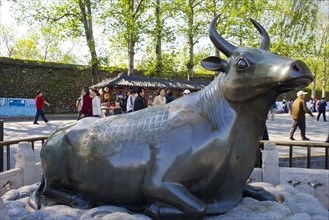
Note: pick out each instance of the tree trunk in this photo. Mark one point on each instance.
(88, 27)
(131, 54)
(158, 40)
(314, 82)
(217, 54)
(324, 79)
(190, 64)
(131, 40)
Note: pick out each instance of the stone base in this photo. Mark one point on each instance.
(291, 205)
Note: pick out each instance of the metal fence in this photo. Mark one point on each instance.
(308, 145)
(6, 145)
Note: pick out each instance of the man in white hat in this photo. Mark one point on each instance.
(299, 109)
(186, 92)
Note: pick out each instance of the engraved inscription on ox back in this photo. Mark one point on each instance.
(128, 130)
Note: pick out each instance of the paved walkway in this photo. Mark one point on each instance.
(278, 130)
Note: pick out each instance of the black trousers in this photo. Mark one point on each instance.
(302, 126)
(324, 115)
(39, 113)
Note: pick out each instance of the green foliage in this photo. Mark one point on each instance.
(298, 29)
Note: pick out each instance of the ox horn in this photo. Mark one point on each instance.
(219, 42)
(265, 45)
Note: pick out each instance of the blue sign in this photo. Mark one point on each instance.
(16, 102)
(30, 106)
(3, 106)
(16, 106)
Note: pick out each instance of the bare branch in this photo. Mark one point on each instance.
(64, 15)
(137, 8)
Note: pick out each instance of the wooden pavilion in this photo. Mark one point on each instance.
(115, 88)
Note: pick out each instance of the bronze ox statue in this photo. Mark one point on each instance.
(184, 160)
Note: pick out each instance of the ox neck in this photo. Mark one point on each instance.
(221, 113)
(215, 107)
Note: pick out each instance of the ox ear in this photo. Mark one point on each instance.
(214, 64)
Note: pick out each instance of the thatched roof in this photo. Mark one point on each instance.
(123, 80)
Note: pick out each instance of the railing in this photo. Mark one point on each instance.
(7, 144)
(308, 145)
(291, 144)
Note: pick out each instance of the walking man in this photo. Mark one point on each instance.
(322, 109)
(39, 103)
(140, 102)
(299, 109)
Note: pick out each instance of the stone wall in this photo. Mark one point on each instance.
(61, 83)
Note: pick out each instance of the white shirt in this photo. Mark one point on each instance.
(130, 103)
(96, 104)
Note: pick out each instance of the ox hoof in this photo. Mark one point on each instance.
(161, 211)
(78, 202)
(257, 193)
(153, 211)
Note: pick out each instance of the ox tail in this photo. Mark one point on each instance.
(34, 200)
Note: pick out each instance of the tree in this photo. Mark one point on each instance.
(193, 27)
(321, 46)
(293, 24)
(9, 38)
(86, 16)
(164, 10)
(72, 17)
(127, 27)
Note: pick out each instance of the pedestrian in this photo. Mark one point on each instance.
(169, 96)
(272, 111)
(134, 94)
(290, 105)
(315, 101)
(299, 109)
(86, 108)
(266, 137)
(130, 101)
(39, 103)
(123, 102)
(322, 109)
(160, 100)
(96, 103)
(285, 106)
(186, 92)
(78, 104)
(140, 102)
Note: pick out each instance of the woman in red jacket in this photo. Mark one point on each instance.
(86, 109)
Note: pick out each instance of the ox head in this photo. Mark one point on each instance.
(254, 72)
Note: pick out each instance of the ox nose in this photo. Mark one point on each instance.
(300, 69)
(297, 75)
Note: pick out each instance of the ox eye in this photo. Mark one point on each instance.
(242, 64)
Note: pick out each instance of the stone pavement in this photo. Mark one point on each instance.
(278, 130)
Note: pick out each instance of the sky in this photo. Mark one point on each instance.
(7, 19)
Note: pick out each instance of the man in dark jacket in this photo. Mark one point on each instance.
(322, 109)
(299, 109)
(140, 102)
